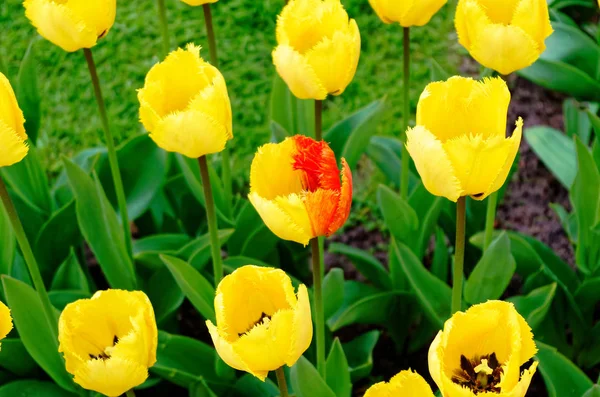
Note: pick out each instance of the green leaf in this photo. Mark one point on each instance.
(398, 215)
(7, 242)
(61, 298)
(359, 352)
(15, 358)
(197, 252)
(428, 209)
(441, 256)
(556, 151)
(147, 250)
(100, 228)
(588, 294)
(437, 72)
(307, 382)
(349, 138)
(164, 293)
(493, 272)
(388, 162)
(577, 122)
(261, 243)
(196, 288)
(246, 223)
(33, 388)
(296, 116)
(28, 93)
(201, 389)
(251, 386)
(595, 122)
(333, 292)
(433, 295)
(594, 391)
(535, 306)
(70, 275)
(30, 319)
(338, 373)
(562, 377)
(567, 220)
(365, 263)
(278, 133)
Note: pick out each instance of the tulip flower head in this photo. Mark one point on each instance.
(406, 13)
(295, 187)
(505, 36)
(185, 106)
(13, 146)
(109, 341)
(261, 324)
(199, 2)
(5, 321)
(405, 384)
(459, 145)
(481, 352)
(72, 24)
(318, 48)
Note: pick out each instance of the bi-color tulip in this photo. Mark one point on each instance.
(406, 13)
(13, 146)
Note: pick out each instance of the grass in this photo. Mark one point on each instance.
(245, 31)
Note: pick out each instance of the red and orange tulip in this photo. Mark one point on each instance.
(295, 186)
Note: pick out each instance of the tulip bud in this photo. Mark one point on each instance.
(318, 48)
(109, 341)
(261, 323)
(5, 321)
(459, 145)
(406, 13)
(295, 187)
(406, 383)
(505, 36)
(13, 147)
(185, 106)
(481, 351)
(72, 24)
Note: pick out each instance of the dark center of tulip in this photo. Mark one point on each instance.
(480, 374)
(105, 355)
(263, 317)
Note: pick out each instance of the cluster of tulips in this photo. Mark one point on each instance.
(459, 147)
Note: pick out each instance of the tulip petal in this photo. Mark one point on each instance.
(317, 162)
(390, 11)
(533, 17)
(10, 112)
(345, 200)
(279, 221)
(521, 389)
(432, 163)
(500, 12)
(302, 331)
(112, 377)
(97, 14)
(57, 23)
(228, 354)
(6, 321)
(199, 2)
(405, 384)
(300, 77)
(214, 100)
(421, 12)
(12, 147)
(321, 206)
(514, 143)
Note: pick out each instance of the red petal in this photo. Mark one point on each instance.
(318, 162)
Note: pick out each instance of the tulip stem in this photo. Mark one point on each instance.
(164, 27)
(319, 120)
(130, 393)
(211, 215)
(319, 315)
(490, 220)
(214, 60)
(459, 255)
(112, 153)
(404, 172)
(32, 265)
(283, 389)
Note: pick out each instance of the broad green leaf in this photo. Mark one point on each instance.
(437, 72)
(201, 253)
(333, 292)
(40, 341)
(440, 265)
(235, 262)
(588, 294)
(278, 133)
(365, 263)
(307, 382)
(338, 373)
(433, 295)
(61, 298)
(398, 215)
(359, 352)
(100, 228)
(251, 386)
(196, 288)
(577, 122)
(7, 242)
(147, 250)
(349, 138)
(296, 116)
(386, 160)
(567, 220)
(70, 275)
(164, 293)
(201, 389)
(247, 222)
(595, 122)
(15, 358)
(493, 272)
(535, 306)
(428, 208)
(562, 377)
(33, 388)
(28, 93)
(594, 391)
(87, 160)
(556, 151)
(260, 244)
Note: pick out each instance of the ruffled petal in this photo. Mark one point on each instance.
(317, 162)
(302, 331)
(112, 377)
(405, 384)
(97, 14)
(12, 147)
(10, 112)
(321, 206)
(227, 354)
(345, 200)
(214, 100)
(533, 17)
(421, 12)
(199, 2)
(521, 389)
(300, 77)
(514, 143)
(6, 321)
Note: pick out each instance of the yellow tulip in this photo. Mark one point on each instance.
(261, 324)
(481, 352)
(318, 48)
(13, 146)
(406, 13)
(199, 2)
(503, 35)
(72, 24)
(185, 106)
(109, 341)
(5, 321)
(459, 145)
(295, 187)
(405, 384)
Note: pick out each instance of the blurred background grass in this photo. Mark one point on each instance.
(245, 31)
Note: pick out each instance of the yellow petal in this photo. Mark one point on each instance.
(533, 17)
(57, 23)
(390, 11)
(302, 327)
(432, 163)
(514, 143)
(12, 147)
(405, 384)
(96, 14)
(521, 389)
(6, 321)
(214, 100)
(225, 350)
(499, 11)
(420, 12)
(10, 112)
(112, 377)
(199, 2)
(299, 76)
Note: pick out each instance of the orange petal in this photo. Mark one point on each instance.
(321, 206)
(318, 163)
(345, 201)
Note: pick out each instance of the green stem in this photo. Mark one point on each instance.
(211, 215)
(164, 27)
(112, 152)
(130, 393)
(459, 255)
(210, 32)
(283, 390)
(404, 172)
(490, 220)
(319, 314)
(32, 265)
(319, 120)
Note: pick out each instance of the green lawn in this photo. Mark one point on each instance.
(245, 32)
